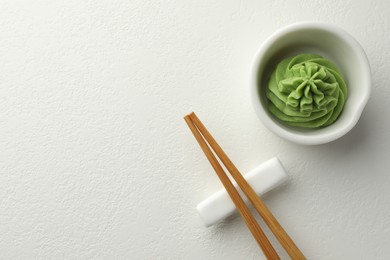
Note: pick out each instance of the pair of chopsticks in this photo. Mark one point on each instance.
(203, 137)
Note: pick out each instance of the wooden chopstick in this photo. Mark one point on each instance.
(243, 209)
(197, 126)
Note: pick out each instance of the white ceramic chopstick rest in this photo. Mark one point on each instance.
(263, 178)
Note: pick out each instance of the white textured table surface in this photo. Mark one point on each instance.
(97, 162)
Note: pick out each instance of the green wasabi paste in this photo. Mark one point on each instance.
(306, 91)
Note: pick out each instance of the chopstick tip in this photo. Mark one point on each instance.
(189, 115)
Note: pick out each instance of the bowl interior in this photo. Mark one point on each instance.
(334, 45)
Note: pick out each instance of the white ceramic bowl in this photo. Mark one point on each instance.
(330, 42)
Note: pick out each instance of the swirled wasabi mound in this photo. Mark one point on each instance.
(306, 91)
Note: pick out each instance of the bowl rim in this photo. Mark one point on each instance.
(324, 136)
